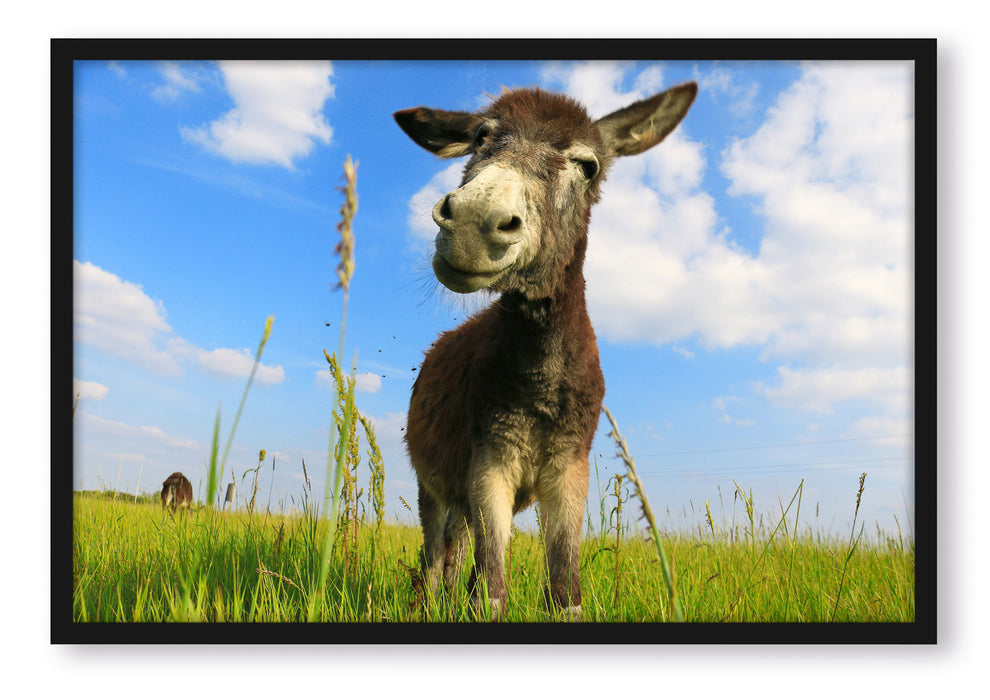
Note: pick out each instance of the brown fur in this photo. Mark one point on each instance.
(176, 491)
(505, 407)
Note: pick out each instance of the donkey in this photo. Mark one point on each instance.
(176, 491)
(505, 406)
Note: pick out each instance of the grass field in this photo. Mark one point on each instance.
(132, 562)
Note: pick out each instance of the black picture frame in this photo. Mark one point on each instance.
(922, 52)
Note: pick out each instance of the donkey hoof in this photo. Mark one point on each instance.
(571, 614)
(480, 612)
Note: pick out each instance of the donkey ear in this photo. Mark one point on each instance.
(643, 125)
(447, 134)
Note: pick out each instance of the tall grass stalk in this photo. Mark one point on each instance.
(247, 388)
(668, 575)
(271, 486)
(377, 468)
(211, 480)
(345, 248)
(793, 540)
(336, 457)
(780, 523)
(618, 535)
(254, 483)
(853, 543)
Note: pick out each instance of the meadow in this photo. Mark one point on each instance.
(134, 562)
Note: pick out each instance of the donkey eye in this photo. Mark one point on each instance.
(589, 167)
(482, 134)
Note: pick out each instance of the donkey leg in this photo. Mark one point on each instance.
(456, 541)
(432, 517)
(491, 513)
(561, 516)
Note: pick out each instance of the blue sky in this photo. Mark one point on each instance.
(750, 279)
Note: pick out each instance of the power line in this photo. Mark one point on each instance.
(763, 472)
(778, 468)
(765, 447)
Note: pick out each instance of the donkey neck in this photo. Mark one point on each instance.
(546, 324)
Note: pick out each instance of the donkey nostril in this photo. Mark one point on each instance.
(445, 212)
(512, 224)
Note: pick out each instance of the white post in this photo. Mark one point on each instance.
(137, 488)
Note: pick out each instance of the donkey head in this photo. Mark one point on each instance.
(520, 215)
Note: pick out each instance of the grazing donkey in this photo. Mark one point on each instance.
(505, 406)
(176, 491)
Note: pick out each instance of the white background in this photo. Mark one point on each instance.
(699, 671)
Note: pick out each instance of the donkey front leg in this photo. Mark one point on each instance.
(456, 541)
(432, 517)
(561, 515)
(491, 512)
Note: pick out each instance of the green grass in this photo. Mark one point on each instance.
(132, 562)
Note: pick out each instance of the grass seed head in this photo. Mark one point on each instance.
(345, 249)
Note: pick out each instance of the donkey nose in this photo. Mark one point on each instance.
(500, 224)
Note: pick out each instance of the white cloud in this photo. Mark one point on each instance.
(368, 383)
(133, 457)
(323, 378)
(118, 318)
(894, 432)
(721, 406)
(723, 85)
(88, 391)
(831, 167)
(177, 81)
(94, 425)
(889, 388)
(277, 116)
(722, 402)
(226, 362)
